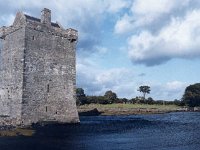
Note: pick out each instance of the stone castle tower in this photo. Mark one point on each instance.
(37, 71)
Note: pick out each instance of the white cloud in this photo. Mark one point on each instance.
(116, 5)
(179, 39)
(145, 13)
(168, 91)
(160, 30)
(96, 81)
(148, 11)
(175, 86)
(124, 25)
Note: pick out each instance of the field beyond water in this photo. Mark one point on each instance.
(127, 109)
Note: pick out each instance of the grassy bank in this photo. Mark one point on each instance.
(17, 132)
(127, 109)
(134, 106)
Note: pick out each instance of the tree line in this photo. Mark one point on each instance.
(110, 97)
(191, 97)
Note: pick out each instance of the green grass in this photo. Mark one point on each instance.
(133, 106)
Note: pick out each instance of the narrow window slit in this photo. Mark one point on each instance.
(48, 88)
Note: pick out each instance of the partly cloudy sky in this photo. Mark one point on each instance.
(124, 44)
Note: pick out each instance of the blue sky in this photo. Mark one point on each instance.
(124, 44)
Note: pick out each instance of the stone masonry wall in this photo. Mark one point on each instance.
(11, 74)
(49, 78)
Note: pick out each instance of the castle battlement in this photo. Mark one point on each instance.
(43, 25)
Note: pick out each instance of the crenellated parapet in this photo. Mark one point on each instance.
(42, 25)
(72, 34)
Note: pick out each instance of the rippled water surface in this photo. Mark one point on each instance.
(171, 131)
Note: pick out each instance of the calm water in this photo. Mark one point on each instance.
(172, 131)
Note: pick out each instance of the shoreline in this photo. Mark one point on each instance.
(113, 112)
(128, 109)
